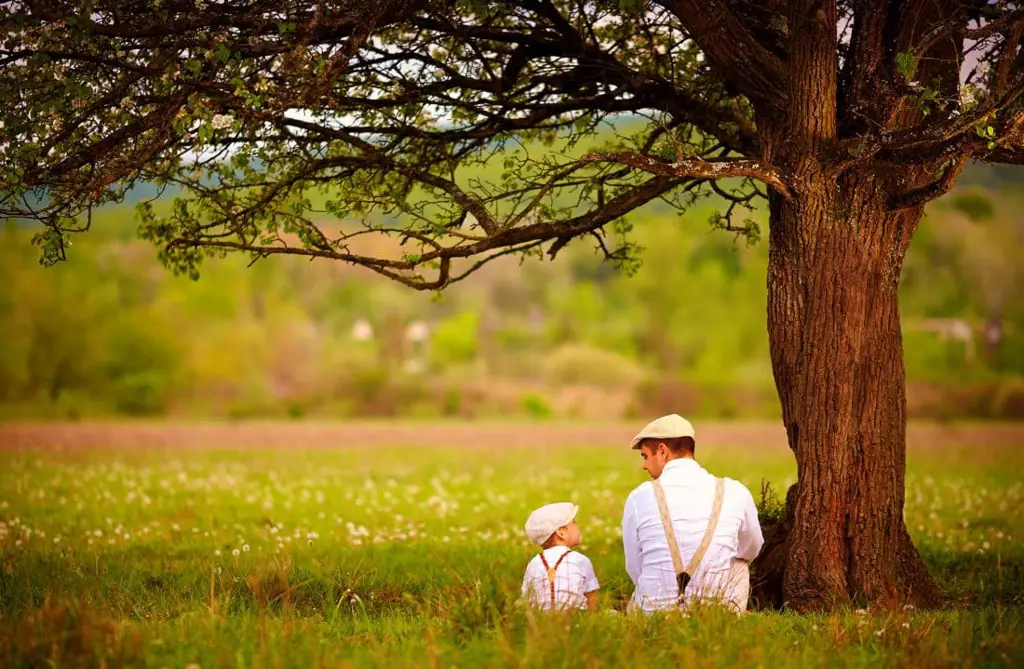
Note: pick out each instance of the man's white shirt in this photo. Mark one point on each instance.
(573, 579)
(690, 494)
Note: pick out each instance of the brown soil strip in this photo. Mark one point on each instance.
(80, 436)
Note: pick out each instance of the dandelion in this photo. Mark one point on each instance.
(861, 612)
(217, 552)
(56, 540)
(880, 632)
(906, 626)
(236, 552)
(245, 548)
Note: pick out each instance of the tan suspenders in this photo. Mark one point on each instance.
(551, 573)
(683, 575)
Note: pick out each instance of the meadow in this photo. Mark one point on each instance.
(408, 555)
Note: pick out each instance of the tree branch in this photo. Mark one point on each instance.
(920, 196)
(756, 73)
(697, 168)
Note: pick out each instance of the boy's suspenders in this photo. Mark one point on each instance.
(551, 572)
(683, 575)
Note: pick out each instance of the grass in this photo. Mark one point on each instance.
(413, 557)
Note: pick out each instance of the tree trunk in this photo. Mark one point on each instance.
(835, 254)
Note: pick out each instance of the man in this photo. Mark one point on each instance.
(667, 447)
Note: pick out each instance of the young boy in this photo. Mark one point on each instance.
(558, 578)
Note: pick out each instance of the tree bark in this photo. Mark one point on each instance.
(835, 254)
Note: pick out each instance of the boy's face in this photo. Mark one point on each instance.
(570, 534)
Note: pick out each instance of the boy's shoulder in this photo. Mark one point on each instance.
(579, 558)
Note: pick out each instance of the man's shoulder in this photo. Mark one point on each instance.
(738, 488)
(644, 488)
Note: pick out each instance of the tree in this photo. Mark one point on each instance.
(847, 117)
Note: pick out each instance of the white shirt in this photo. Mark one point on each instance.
(690, 494)
(573, 579)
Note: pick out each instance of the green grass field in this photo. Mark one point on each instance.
(408, 556)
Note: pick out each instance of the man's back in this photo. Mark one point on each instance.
(689, 492)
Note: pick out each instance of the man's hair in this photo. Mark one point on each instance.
(680, 446)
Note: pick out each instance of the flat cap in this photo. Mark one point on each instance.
(666, 427)
(546, 520)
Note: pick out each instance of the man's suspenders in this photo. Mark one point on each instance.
(683, 575)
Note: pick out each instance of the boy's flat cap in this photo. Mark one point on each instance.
(544, 521)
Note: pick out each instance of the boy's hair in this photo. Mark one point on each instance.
(550, 541)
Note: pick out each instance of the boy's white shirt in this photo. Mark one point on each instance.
(573, 579)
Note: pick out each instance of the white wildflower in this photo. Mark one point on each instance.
(245, 548)
(235, 552)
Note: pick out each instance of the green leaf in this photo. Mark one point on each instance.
(906, 64)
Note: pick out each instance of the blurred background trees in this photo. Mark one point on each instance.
(111, 332)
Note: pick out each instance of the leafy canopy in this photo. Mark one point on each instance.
(274, 121)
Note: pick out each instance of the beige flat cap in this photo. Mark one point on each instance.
(546, 520)
(666, 427)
